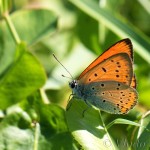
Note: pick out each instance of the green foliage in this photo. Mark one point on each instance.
(23, 77)
(34, 96)
(88, 129)
(143, 134)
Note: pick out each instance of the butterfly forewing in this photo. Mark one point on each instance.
(123, 46)
(115, 68)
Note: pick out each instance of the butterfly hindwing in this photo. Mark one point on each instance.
(133, 82)
(111, 96)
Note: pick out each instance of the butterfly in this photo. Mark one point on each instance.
(109, 82)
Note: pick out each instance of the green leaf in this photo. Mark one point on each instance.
(34, 24)
(88, 34)
(20, 131)
(31, 25)
(53, 126)
(143, 136)
(62, 141)
(13, 136)
(140, 41)
(52, 130)
(16, 138)
(122, 121)
(87, 130)
(53, 117)
(23, 77)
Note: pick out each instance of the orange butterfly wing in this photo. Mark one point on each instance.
(123, 46)
(133, 82)
(115, 68)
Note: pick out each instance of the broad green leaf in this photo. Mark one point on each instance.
(140, 41)
(31, 25)
(87, 130)
(23, 77)
(15, 137)
(20, 138)
(122, 121)
(63, 141)
(53, 126)
(53, 117)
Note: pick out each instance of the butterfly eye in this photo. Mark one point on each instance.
(73, 84)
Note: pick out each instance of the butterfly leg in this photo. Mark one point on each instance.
(88, 106)
(69, 104)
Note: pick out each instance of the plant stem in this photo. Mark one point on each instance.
(12, 28)
(109, 138)
(44, 96)
(36, 136)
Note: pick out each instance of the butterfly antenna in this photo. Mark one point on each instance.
(63, 67)
(65, 76)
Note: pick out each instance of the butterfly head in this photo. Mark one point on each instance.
(76, 88)
(73, 84)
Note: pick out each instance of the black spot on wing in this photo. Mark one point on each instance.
(103, 69)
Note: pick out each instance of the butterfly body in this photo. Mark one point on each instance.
(95, 93)
(109, 82)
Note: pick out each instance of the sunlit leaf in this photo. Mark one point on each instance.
(23, 77)
(87, 130)
(122, 121)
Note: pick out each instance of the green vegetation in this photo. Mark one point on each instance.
(33, 93)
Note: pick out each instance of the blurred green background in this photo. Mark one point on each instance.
(80, 38)
(76, 31)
